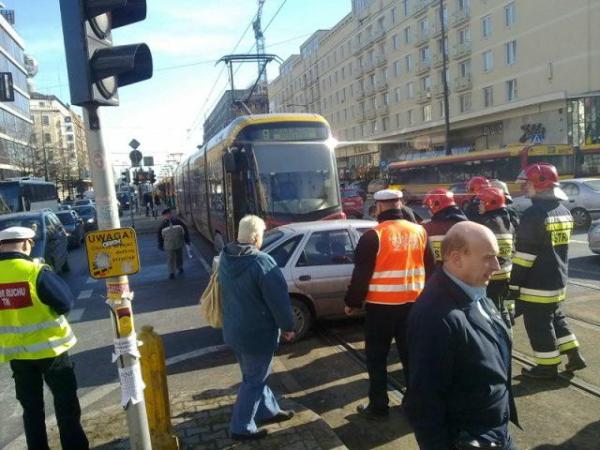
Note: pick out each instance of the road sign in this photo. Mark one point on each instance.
(134, 144)
(135, 156)
(112, 253)
(148, 161)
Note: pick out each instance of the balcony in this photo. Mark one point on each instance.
(370, 113)
(359, 72)
(369, 90)
(423, 67)
(361, 116)
(422, 37)
(460, 17)
(423, 96)
(436, 29)
(462, 84)
(462, 50)
(368, 66)
(438, 90)
(360, 92)
(420, 7)
(356, 48)
(383, 110)
(380, 60)
(378, 35)
(381, 85)
(437, 60)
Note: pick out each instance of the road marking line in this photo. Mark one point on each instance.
(90, 280)
(579, 242)
(76, 314)
(85, 294)
(102, 391)
(198, 255)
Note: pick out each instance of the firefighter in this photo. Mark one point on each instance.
(494, 215)
(539, 277)
(514, 215)
(35, 338)
(389, 274)
(474, 185)
(445, 213)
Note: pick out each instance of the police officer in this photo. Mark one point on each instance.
(474, 185)
(34, 339)
(389, 274)
(540, 268)
(445, 213)
(494, 215)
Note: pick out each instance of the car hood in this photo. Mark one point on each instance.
(236, 258)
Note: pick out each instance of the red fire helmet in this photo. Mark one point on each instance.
(477, 183)
(543, 176)
(491, 199)
(439, 199)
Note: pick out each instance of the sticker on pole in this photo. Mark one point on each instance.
(112, 253)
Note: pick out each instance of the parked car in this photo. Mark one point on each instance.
(376, 185)
(352, 203)
(594, 237)
(317, 259)
(74, 227)
(583, 200)
(64, 207)
(462, 197)
(89, 216)
(84, 202)
(51, 240)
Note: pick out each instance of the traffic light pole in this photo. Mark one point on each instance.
(118, 294)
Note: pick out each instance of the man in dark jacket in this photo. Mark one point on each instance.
(256, 306)
(445, 214)
(172, 234)
(459, 390)
(391, 262)
(474, 185)
(539, 277)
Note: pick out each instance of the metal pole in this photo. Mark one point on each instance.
(118, 294)
(444, 80)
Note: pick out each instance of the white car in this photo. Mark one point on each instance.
(317, 259)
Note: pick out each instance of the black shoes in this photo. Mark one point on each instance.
(576, 361)
(369, 413)
(541, 372)
(260, 434)
(281, 416)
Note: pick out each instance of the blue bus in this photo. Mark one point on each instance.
(28, 194)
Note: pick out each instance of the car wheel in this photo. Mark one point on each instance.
(303, 318)
(581, 218)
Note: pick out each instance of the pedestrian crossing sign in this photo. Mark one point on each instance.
(112, 253)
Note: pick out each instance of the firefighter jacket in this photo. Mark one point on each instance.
(540, 262)
(500, 222)
(29, 328)
(391, 262)
(439, 225)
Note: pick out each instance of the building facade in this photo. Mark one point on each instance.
(59, 143)
(518, 71)
(16, 157)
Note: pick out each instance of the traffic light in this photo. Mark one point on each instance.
(136, 177)
(96, 67)
(152, 176)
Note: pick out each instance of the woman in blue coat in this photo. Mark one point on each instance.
(256, 306)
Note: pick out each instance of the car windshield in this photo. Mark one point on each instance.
(349, 194)
(66, 217)
(9, 196)
(593, 184)
(85, 210)
(271, 236)
(28, 222)
(296, 178)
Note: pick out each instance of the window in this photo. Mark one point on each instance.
(486, 27)
(397, 68)
(511, 52)
(426, 113)
(409, 117)
(393, 15)
(385, 124)
(464, 36)
(398, 120)
(425, 54)
(45, 120)
(465, 102)
(47, 137)
(69, 137)
(510, 14)
(424, 26)
(386, 99)
(463, 5)
(442, 46)
(426, 83)
(488, 96)
(398, 94)
(407, 35)
(408, 62)
(488, 61)
(410, 90)
(571, 189)
(327, 248)
(511, 90)
(396, 42)
(465, 69)
(405, 8)
(442, 111)
(281, 254)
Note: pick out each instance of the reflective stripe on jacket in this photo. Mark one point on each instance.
(29, 329)
(399, 274)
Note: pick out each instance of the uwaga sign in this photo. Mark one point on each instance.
(112, 253)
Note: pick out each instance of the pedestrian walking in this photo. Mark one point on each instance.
(35, 338)
(474, 185)
(495, 216)
(148, 202)
(256, 306)
(389, 274)
(539, 277)
(459, 392)
(156, 205)
(172, 236)
(445, 214)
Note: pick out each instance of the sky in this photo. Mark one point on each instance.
(186, 38)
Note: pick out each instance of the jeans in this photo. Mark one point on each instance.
(255, 401)
(58, 374)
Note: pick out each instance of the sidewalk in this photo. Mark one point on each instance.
(142, 223)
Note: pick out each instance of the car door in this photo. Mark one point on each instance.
(323, 268)
(62, 241)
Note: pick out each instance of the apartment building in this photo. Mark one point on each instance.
(518, 71)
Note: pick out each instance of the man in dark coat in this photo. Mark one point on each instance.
(172, 234)
(459, 390)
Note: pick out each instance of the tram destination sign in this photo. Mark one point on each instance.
(112, 253)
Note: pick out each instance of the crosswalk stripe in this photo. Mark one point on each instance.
(85, 294)
(76, 314)
(90, 280)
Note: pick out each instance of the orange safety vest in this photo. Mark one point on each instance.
(399, 275)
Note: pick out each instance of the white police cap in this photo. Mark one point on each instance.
(16, 234)
(387, 195)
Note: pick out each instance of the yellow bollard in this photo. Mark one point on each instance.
(154, 373)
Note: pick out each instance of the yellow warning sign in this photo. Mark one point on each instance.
(112, 253)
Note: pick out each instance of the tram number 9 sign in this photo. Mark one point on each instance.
(112, 253)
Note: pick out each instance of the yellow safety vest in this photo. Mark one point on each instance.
(29, 329)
